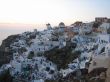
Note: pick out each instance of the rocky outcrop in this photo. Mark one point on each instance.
(8, 41)
(5, 50)
(108, 74)
(62, 57)
(6, 77)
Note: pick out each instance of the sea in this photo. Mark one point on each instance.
(7, 29)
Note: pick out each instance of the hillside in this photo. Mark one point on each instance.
(60, 54)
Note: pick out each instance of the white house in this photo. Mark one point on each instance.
(44, 45)
(107, 50)
(76, 29)
(40, 80)
(103, 27)
(86, 28)
(61, 27)
(76, 26)
(101, 19)
(40, 48)
(103, 38)
(48, 26)
(99, 61)
(16, 67)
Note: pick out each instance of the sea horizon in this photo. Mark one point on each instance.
(7, 29)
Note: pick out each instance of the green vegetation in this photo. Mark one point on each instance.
(39, 54)
(5, 57)
(51, 81)
(96, 24)
(6, 77)
(31, 55)
(22, 49)
(62, 57)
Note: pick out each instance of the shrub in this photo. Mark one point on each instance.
(61, 57)
(31, 55)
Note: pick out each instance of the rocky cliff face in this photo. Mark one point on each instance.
(5, 50)
(8, 41)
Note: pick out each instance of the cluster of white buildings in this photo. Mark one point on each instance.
(93, 45)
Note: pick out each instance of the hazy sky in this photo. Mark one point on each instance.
(17, 16)
(52, 11)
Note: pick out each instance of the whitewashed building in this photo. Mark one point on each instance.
(61, 27)
(99, 61)
(16, 67)
(103, 38)
(103, 27)
(48, 26)
(86, 28)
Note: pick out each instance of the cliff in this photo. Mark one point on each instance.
(5, 50)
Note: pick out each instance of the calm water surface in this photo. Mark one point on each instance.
(10, 29)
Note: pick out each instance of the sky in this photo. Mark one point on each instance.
(17, 16)
(52, 11)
